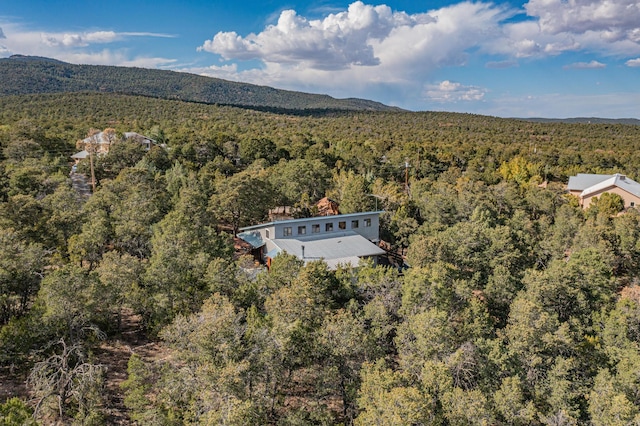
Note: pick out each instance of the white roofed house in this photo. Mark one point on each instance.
(338, 239)
(587, 187)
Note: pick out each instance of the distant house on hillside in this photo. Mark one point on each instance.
(589, 186)
(336, 239)
(102, 141)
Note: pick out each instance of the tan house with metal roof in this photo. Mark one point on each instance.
(587, 187)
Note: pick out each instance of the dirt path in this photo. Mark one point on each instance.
(12, 383)
(80, 184)
(114, 354)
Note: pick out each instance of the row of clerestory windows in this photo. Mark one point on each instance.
(328, 227)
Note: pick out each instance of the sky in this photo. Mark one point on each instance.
(539, 58)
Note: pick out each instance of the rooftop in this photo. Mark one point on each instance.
(621, 181)
(582, 181)
(340, 248)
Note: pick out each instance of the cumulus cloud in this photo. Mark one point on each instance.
(364, 51)
(633, 62)
(364, 35)
(580, 16)
(586, 65)
(610, 27)
(335, 42)
(397, 46)
(2, 34)
(448, 91)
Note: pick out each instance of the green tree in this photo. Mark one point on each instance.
(608, 406)
(120, 278)
(88, 246)
(70, 303)
(15, 412)
(520, 170)
(254, 149)
(511, 403)
(22, 267)
(300, 179)
(607, 204)
(350, 190)
(424, 336)
(184, 242)
(345, 344)
(122, 154)
(242, 199)
(385, 398)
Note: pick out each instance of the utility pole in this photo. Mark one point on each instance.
(92, 137)
(406, 176)
(93, 174)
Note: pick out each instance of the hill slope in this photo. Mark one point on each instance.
(33, 75)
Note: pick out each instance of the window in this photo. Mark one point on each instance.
(354, 224)
(266, 233)
(367, 223)
(328, 227)
(287, 231)
(302, 230)
(342, 225)
(315, 228)
(632, 204)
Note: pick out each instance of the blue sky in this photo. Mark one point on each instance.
(538, 58)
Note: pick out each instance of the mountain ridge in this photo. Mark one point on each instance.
(29, 75)
(23, 75)
(584, 120)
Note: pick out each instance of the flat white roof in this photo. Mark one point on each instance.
(346, 246)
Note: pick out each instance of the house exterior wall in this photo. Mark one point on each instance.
(365, 224)
(626, 196)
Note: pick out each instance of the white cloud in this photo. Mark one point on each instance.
(448, 91)
(77, 47)
(633, 62)
(365, 51)
(581, 16)
(336, 42)
(611, 27)
(2, 34)
(96, 37)
(118, 57)
(586, 65)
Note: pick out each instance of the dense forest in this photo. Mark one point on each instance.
(517, 308)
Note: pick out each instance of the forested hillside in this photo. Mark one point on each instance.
(32, 75)
(518, 307)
